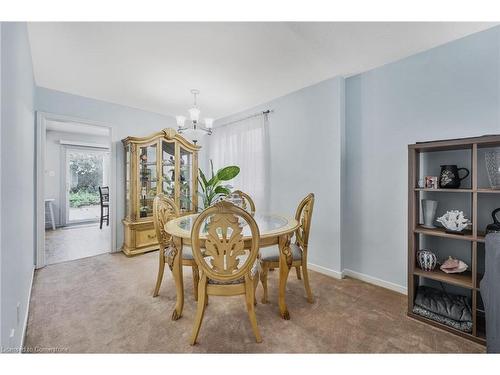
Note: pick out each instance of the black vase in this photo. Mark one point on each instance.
(495, 226)
(449, 177)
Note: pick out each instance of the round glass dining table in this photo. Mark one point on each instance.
(274, 229)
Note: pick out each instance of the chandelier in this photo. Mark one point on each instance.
(194, 130)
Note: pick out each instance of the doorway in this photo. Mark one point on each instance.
(74, 162)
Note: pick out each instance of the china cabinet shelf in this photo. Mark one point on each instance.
(479, 337)
(441, 232)
(469, 280)
(488, 191)
(463, 279)
(445, 190)
(154, 165)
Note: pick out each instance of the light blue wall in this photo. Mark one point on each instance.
(17, 176)
(305, 156)
(448, 92)
(124, 121)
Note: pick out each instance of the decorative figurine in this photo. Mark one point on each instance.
(454, 221)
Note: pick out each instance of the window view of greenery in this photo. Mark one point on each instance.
(86, 177)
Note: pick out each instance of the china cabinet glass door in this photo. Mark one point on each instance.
(186, 180)
(148, 179)
(168, 168)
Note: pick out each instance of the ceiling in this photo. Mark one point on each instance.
(153, 66)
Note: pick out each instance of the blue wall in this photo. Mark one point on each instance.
(448, 92)
(17, 176)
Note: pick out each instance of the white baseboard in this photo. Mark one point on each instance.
(25, 323)
(325, 271)
(375, 281)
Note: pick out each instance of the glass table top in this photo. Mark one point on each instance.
(267, 223)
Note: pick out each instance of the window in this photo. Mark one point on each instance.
(245, 144)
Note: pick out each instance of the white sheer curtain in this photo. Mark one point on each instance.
(245, 144)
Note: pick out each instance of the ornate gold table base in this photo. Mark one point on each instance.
(283, 241)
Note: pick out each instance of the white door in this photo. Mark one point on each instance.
(85, 169)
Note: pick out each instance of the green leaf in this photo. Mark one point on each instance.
(222, 190)
(212, 167)
(228, 173)
(213, 181)
(203, 179)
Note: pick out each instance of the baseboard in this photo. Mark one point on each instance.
(375, 281)
(25, 323)
(325, 271)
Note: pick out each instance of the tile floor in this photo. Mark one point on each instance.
(75, 242)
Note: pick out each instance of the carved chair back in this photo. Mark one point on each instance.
(303, 215)
(164, 210)
(226, 256)
(242, 200)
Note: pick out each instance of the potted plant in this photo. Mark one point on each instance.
(215, 188)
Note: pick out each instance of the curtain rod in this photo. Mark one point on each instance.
(266, 112)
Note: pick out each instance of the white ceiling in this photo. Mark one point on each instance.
(153, 66)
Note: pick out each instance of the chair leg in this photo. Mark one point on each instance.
(202, 293)
(297, 270)
(263, 280)
(107, 217)
(196, 279)
(249, 298)
(159, 278)
(255, 284)
(306, 281)
(102, 218)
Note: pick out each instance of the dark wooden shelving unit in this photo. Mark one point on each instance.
(468, 280)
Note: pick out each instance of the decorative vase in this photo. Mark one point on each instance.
(429, 207)
(449, 177)
(492, 159)
(426, 260)
(495, 226)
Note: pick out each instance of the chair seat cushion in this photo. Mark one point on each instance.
(253, 271)
(187, 252)
(272, 254)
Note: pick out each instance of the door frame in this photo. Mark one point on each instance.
(40, 143)
(64, 170)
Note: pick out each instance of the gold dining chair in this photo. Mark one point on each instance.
(228, 265)
(247, 202)
(164, 210)
(269, 256)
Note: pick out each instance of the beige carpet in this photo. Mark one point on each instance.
(103, 304)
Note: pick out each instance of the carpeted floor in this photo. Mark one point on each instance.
(103, 304)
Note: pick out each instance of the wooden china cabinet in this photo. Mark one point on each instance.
(163, 162)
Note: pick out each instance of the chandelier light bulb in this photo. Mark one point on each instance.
(180, 121)
(209, 123)
(194, 114)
